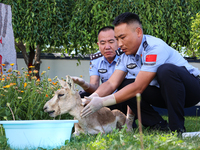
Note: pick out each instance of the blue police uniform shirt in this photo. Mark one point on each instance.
(102, 68)
(152, 53)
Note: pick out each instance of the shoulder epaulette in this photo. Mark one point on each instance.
(95, 56)
(119, 51)
(145, 44)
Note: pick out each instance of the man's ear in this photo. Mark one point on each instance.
(139, 31)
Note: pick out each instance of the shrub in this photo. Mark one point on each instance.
(195, 35)
(24, 95)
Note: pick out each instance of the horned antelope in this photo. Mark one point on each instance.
(67, 100)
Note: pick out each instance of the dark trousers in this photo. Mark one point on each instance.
(178, 89)
(149, 116)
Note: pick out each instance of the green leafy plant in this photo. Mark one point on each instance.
(68, 25)
(168, 20)
(122, 140)
(195, 35)
(23, 95)
(37, 92)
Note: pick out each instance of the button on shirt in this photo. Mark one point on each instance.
(102, 68)
(152, 53)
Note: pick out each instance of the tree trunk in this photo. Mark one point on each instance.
(21, 46)
(37, 61)
(29, 58)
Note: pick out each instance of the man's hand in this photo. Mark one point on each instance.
(86, 100)
(94, 105)
(97, 103)
(81, 82)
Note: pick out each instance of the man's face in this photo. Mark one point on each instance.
(107, 44)
(129, 37)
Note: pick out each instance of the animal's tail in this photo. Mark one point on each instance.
(121, 118)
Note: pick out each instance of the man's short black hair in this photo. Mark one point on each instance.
(106, 28)
(126, 17)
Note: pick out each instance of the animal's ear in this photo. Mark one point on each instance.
(70, 83)
(62, 83)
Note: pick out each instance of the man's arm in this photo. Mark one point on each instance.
(111, 84)
(142, 80)
(94, 83)
(88, 87)
(105, 88)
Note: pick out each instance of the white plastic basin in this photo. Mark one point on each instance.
(31, 134)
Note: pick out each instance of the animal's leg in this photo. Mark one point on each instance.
(129, 119)
(103, 131)
(77, 129)
(120, 117)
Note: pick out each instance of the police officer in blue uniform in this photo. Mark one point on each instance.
(102, 66)
(165, 78)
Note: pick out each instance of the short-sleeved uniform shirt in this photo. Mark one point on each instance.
(152, 53)
(102, 68)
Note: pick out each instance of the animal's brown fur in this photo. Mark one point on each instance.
(67, 100)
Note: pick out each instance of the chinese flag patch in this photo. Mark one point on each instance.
(151, 58)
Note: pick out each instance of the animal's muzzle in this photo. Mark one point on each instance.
(49, 112)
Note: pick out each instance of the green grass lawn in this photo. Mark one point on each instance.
(121, 140)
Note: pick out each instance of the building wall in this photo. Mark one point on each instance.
(62, 67)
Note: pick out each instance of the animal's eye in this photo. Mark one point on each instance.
(59, 95)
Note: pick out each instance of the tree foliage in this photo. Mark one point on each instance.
(195, 35)
(41, 22)
(37, 24)
(169, 20)
(73, 25)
